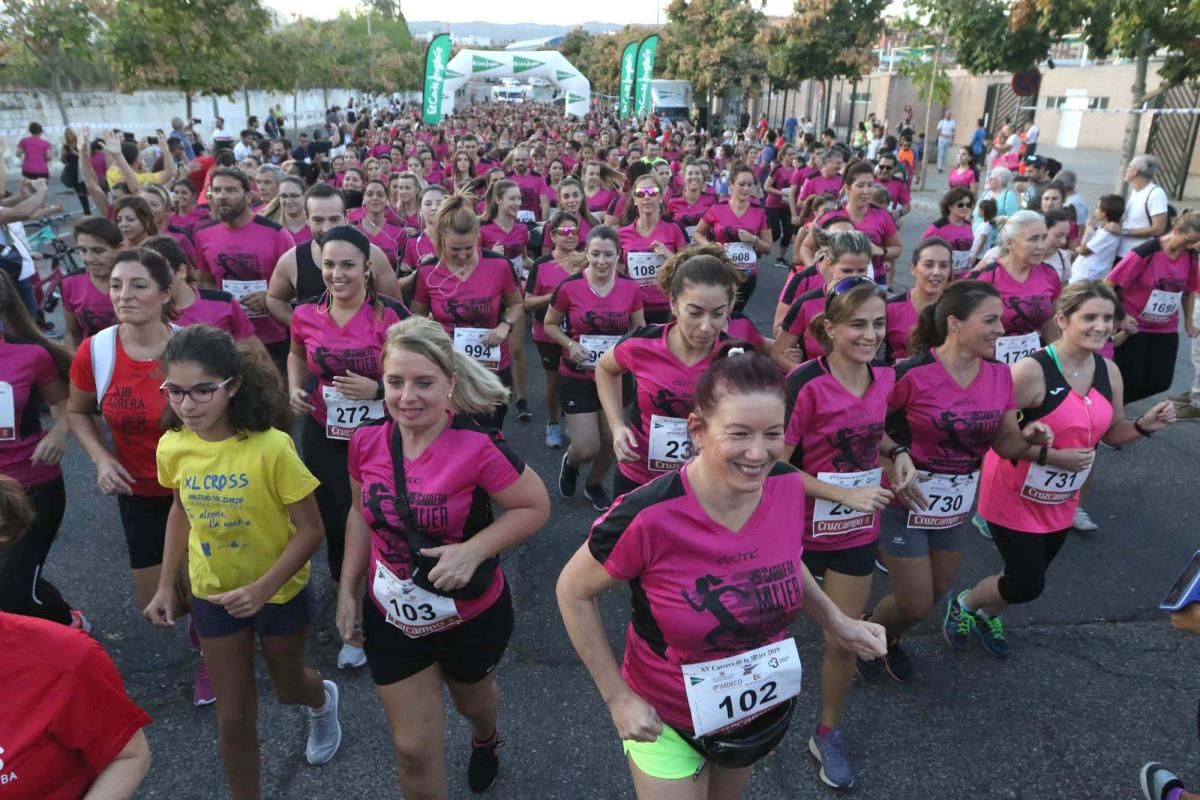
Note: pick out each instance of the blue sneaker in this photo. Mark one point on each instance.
(981, 525)
(829, 751)
(958, 624)
(1158, 781)
(991, 635)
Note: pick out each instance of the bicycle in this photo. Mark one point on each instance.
(48, 243)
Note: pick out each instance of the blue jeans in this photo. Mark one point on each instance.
(25, 289)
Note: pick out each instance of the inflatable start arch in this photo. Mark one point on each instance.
(548, 64)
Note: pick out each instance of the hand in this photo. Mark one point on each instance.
(349, 619)
(255, 302)
(411, 233)
(904, 473)
(356, 387)
(866, 640)
(624, 444)
(660, 249)
(1130, 325)
(497, 335)
(866, 498)
(1113, 228)
(1038, 434)
(577, 352)
(913, 496)
(1190, 329)
(50, 449)
(456, 564)
(1072, 459)
(1159, 417)
(242, 603)
(112, 144)
(1187, 618)
(162, 608)
(112, 478)
(877, 251)
(747, 237)
(634, 718)
(298, 401)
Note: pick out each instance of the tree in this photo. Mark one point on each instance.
(712, 44)
(52, 31)
(188, 45)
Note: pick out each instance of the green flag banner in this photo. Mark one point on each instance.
(628, 62)
(644, 74)
(437, 55)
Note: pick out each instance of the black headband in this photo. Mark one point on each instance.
(348, 233)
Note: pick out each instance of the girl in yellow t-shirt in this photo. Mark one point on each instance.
(245, 518)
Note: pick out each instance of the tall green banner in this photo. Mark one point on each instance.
(437, 55)
(644, 74)
(628, 66)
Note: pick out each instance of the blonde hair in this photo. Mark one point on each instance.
(476, 390)
(456, 215)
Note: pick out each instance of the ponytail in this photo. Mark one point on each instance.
(477, 391)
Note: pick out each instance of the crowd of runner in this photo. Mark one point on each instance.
(275, 345)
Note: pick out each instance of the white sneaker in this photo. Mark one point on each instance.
(553, 435)
(1083, 522)
(324, 729)
(351, 657)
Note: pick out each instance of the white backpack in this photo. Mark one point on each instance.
(103, 348)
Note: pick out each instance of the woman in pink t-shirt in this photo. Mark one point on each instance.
(829, 178)
(589, 312)
(386, 236)
(964, 175)
(424, 246)
(647, 242)
(439, 618)
(802, 281)
(741, 227)
(716, 558)
(502, 233)
(954, 227)
(197, 306)
(876, 223)
(689, 206)
(836, 406)
(931, 275)
(570, 201)
(87, 307)
(34, 152)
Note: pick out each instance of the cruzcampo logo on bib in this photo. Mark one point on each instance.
(523, 64)
(481, 64)
(562, 74)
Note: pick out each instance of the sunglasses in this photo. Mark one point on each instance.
(846, 285)
(567, 230)
(649, 191)
(963, 204)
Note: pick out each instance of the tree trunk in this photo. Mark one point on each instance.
(928, 110)
(188, 103)
(1133, 125)
(56, 91)
(853, 108)
(246, 98)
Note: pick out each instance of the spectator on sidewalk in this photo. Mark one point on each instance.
(221, 138)
(34, 152)
(945, 130)
(1147, 205)
(1032, 133)
(1074, 199)
(978, 143)
(179, 133)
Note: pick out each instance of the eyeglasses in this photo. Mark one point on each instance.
(199, 394)
(963, 204)
(845, 285)
(567, 230)
(649, 191)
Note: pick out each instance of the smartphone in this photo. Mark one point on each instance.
(1184, 591)
(151, 140)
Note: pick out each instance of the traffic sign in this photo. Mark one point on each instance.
(1026, 82)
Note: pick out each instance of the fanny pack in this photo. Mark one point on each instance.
(743, 746)
(421, 565)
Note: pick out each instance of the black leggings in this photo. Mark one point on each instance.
(326, 459)
(1147, 364)
(495, 420)
(745, 291)
(780, 220)
(23, 590)
(1026, 558)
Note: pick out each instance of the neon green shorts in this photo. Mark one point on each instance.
(668, 757)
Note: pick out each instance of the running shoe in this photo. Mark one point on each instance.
(1187, 412)
(1181, 399)
(484, 765)
(782, 263)
(829, 751)
(324, 729)
(523, 412)
(991, 635)
(553, 435)
(79, 621)
(568, 477)
(958, 624)
(597, 497)
(897, 663)
(1158, 782)
(202, 688)
(351, 657)
(1083, 522)
(870, 671)
(981, 525)
(879, 566)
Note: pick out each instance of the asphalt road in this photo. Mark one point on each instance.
(1097, 683)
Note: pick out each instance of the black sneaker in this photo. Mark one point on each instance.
(597, 496)
(897, 663)
(523, 412)
(568, 478)
(870, 671)
(484, 765)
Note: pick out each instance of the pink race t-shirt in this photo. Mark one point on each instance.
(835, 431)
(514, 241)
(1153, 285)
(37, 155)
(819, 184)
(703, 592)
(544, 277)
(802, 282)
(447, 486)
(961, 239)
(962, 177)
(800, 314)
(802, 174)
(901, 322)
(587, 314)
(666, 233)
(331, 350)
(219, 309)
(782, 180)
(739, 326)
(602, 201)
(93, 309)
(26, 371)
(533, 189)
(1028, 305)
(417, 250)
(477, 302)
(689, 214)
(725, 225)
(878, 226)
(898, 193)
(390, 239)
(242, 260)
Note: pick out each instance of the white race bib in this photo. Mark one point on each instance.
(670, 447)
(525, 217)
(1161, 306)
(596, 346)
(1052, 485)
(240, 289)
(726, 691)
(950, 500)
(835, 519)
(518, 263)
(690, 230)
(742, 255)
(343, 415)
(470, 342)
(410, 608)
(644, 267)
(960, 261)
(8, 413)
(1011, 349)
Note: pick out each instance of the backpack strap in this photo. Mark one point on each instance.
(103, 348)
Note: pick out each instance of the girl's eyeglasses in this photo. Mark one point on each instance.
(199, 394)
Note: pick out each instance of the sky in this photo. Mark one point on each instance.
(621, 12)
